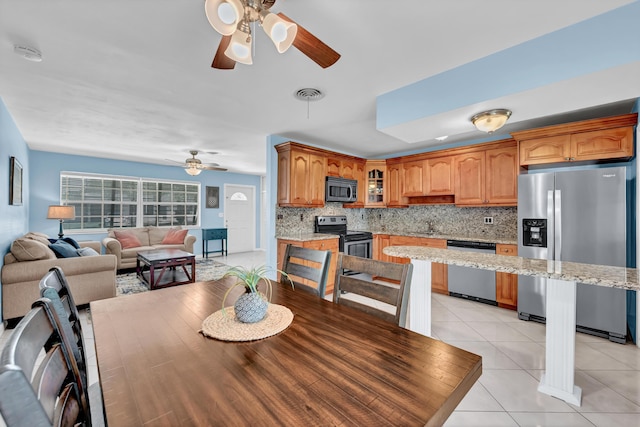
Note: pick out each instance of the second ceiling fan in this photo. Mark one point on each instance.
(233, 18)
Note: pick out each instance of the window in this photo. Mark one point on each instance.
(111, 202)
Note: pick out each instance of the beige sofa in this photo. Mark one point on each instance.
(150, 238)
(90, 277)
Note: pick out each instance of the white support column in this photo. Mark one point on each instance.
(558, 379)
(419, 306)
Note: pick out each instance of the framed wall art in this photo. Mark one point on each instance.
(213, 197)
(15, 182)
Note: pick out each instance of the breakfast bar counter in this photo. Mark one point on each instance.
(562, 278)
(601, 275)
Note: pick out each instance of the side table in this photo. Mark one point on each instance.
(214, 234)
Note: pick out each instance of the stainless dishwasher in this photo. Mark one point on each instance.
(472, 283)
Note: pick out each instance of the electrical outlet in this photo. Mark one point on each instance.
(301, 217)
(488, 220)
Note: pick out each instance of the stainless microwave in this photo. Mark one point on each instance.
(341, 190)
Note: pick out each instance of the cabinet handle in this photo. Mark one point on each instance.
(572, 159)
(567, 158)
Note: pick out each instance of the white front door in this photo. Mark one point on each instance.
(240, 217)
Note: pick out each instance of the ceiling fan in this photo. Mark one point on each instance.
(232, 19)
(194, 166)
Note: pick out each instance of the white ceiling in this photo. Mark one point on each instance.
(131, 79)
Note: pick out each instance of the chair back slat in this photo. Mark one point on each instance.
(307, 268)
(47, 386)
(58, 298)
(359, 281)
(379, 292)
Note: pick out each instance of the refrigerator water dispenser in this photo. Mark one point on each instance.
(534, 232)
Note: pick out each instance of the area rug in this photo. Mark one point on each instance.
(206, 269)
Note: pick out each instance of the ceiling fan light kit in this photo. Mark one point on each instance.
(224, 15)
(491, 120)
(239, 48)
(193, 170)
(281, 32)
(232, 19)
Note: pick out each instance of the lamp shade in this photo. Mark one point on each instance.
(282, 33)
(492, 120)
(61, 212)
(224, 15)
(239, 48)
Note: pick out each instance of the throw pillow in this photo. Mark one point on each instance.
(174, 237)
(63, 249)
(25, 249)
(87, 252)
(72, 242)
(127, 239)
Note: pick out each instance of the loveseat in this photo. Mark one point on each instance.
(125, 243)
(30, 258)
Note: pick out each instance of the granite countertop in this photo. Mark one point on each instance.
(468, 238)
(614, 277)
(306, 236)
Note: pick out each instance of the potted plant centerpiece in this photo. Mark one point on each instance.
(252, 305)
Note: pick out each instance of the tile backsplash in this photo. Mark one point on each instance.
(445, 219)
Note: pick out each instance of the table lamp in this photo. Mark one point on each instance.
(61, 213)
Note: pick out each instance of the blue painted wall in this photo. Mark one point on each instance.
(14, 220)
(45, 189)
(605, 41)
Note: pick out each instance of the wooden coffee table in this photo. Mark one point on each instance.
(162, 268)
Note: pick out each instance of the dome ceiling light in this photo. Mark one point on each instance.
(491, 120)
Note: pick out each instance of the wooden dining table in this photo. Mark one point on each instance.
(333, 365)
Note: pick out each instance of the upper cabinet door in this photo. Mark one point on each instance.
(439, 176)
(501, 185)
(602, 144)
(552, 149)
(316, 179)
(413, 178)
(470, 178)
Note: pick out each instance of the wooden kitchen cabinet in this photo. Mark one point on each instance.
(375, 176)
(394, 186)
(507, 283)
(380, 241)
(414, 178)
(487, 177)
(301, 176)
(341, 166)
(439, 271)
(439, 176)
(323, 245)
(607, 138)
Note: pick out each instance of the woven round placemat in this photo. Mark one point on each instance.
(224, 326)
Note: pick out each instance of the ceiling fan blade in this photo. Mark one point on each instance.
(312, 46)
(222, 61)
(212, 168)
(183, 164)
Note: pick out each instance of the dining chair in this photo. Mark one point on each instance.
(310, 265)
(57, 294)
(359, 281)
(38, 375)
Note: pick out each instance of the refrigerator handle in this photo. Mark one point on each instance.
(550, 226)
(557, 235)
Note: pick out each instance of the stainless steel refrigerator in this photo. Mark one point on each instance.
(577, 216)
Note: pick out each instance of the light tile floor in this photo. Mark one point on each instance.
(513, 360)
